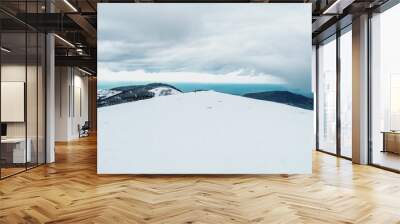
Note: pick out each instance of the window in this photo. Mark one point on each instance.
(346, 93)
(327, 96)
(385, 89)
(22, 87)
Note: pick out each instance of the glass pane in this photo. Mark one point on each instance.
(13, 86)
(386, 89)
(327, 96)
(31, 100)
(41, 98)
(23, 90)
(346, 94)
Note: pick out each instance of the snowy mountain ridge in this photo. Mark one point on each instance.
(126, 94)
(164, 91)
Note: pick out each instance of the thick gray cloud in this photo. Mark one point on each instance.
(270, 39)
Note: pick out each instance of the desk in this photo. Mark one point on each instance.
(391, 141)
(13, 150)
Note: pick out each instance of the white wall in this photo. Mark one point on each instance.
(61, 103)
(80, 109)
(71, 102)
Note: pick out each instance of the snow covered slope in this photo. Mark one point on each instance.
(106, 93)
(204, 133)
(164, 91)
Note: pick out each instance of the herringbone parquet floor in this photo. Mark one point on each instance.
(70, 191)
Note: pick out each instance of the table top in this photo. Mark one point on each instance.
(13, 140)
(391, 132)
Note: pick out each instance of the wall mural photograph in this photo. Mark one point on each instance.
(204, 88)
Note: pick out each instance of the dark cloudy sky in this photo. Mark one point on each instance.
(232, 43)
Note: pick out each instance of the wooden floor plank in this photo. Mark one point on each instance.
(70, 191)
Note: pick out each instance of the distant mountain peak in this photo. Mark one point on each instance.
(285, 97)
(124, 94)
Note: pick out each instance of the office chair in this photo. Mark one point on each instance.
(84, 130)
